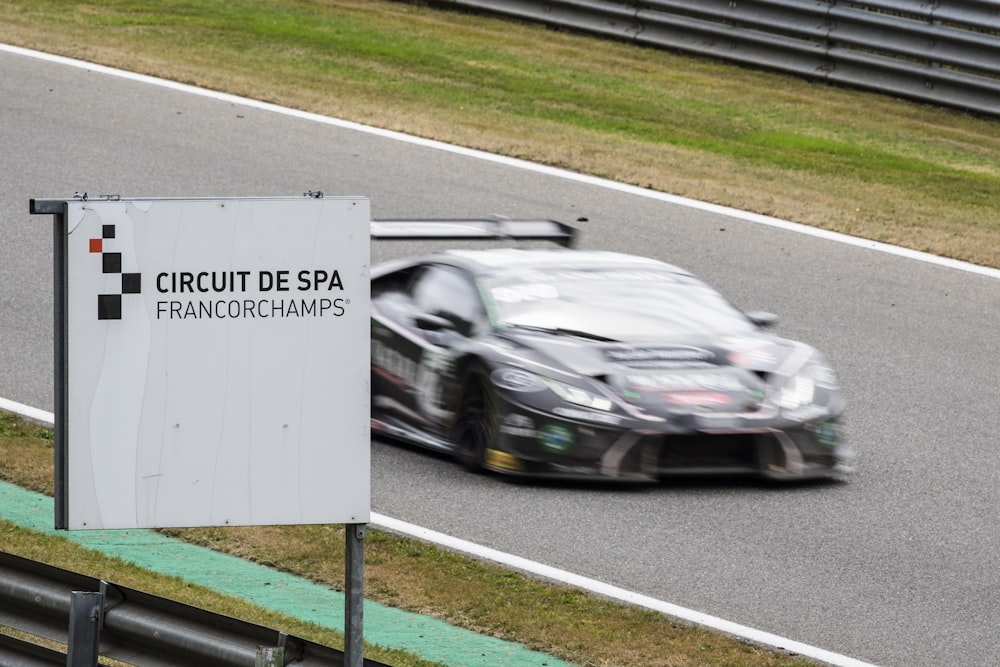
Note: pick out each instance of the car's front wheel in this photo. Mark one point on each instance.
(475, 428)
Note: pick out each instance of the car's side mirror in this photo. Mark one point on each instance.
(762, 318)
(428, 322)
(438, 330)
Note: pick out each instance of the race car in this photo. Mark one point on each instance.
(583, 364)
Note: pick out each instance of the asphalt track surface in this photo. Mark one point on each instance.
(897, 567)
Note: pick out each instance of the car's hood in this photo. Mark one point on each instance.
(727, 373)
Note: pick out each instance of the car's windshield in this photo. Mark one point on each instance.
(617, 303)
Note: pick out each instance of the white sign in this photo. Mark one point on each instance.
(218, 362)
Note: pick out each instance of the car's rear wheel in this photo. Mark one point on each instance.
(475, 428)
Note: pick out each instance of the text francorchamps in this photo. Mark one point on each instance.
(251, 294)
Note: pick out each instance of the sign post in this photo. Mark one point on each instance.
(212, 362)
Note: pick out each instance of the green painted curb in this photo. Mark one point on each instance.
(281, 592)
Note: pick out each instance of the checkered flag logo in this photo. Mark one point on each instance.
(109, 306)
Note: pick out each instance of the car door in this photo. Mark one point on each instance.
(413, 361)
(449, 312)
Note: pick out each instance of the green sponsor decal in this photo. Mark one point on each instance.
(555, 438)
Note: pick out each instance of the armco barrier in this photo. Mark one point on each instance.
(943, 52)
(138, 628)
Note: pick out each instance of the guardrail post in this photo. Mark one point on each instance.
(354, 597)
(270, 656)
(85, 613)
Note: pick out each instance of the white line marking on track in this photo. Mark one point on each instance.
(27, 411)
(395, 525)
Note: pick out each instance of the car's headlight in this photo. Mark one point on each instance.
(798, 391)
(578, 396)
(515, 379)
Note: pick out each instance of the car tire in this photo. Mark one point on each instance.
(475, 428)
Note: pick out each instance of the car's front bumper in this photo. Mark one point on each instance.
(534, 443)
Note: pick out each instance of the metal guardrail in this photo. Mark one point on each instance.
(942, 52)
(137, 628)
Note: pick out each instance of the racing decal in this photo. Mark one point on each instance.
(754, 399)
(681, 356)
(513, 379)
(704, 381)
(588, 415)
(422, 378)
(698, 399)
(429, 386)
(555, 438)
(502, 460)
(393, 365)
(518, 426)
(828, 434)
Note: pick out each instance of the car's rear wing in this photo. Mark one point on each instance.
(486, 228)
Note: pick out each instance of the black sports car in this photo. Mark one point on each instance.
(582, 364)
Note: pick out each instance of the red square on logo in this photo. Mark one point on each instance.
(95, 245)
